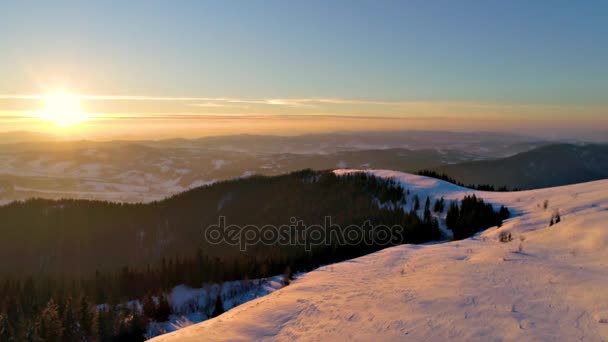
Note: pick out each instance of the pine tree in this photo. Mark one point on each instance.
(137, 327)
(439, 206)
(87, 316)
(504, 212)
(105, 324)
(6, 330)
(287, 276)
(416, 203)
(219, 306)
(149, 307)
(50, 326)
(72, 331)
(427, 211)
(164, 308)
(453, 215)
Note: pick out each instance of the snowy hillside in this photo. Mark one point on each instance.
(548, 283)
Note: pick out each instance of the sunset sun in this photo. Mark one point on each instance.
(63, 109)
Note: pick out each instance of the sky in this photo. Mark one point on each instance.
(196, 68)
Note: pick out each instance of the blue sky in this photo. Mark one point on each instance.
(550, 53)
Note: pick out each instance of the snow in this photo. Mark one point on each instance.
(218, 164)
(199, 183)
(549, 283)
(192, 306)
(247, 174)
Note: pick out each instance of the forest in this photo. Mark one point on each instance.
(480, 187)
(97, 271)
(71, 266)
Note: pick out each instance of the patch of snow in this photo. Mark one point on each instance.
(247, 174)
(218, 164)
(89, 170)
(191, 306)
(60, 167)
(341, 164)
(199, 183)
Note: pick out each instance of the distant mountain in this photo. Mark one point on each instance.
(546, 166)
(138, 171)
(486, 145)
(483, 145)
(24, 136)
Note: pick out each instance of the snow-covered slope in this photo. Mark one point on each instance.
(549, 283)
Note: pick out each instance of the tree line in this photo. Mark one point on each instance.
(480, 187)
(473, 215)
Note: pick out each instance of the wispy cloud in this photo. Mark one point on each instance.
(211, 101)
(202, 101)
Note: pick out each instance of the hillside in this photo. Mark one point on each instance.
(72, 236)
(548, 283)
(546, 166)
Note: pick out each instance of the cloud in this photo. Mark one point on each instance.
(214, 101)
(172, 105)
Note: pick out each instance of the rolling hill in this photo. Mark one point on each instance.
(547, 283)
(546, 166)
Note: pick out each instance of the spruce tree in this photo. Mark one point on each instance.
(427, 211)
(6, 330)
(164, 308)
(149, 307)
(50, 326)
(287, 276)
(72, 330)
(219, 306)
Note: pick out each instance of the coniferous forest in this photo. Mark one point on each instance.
(71, 266)
(480, 187)
(473, 215)
(96, 271)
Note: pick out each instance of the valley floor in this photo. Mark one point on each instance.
(548, 283)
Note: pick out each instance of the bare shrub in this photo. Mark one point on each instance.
(505, 237)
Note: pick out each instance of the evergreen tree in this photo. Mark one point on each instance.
(137, 327)
(427, 211)
(453, 215)
(72, 331)
(87, 316)
(219, 306)
(287, 276)
(6, 330)
(504, 212)
(472, 216)
(416, 203)
(439, 205)
(164, 308)
(105, 324)
(50, 326)
(149, 307)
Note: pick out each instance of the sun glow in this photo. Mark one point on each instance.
(63, 109)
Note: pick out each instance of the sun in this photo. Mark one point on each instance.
(63, 109)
